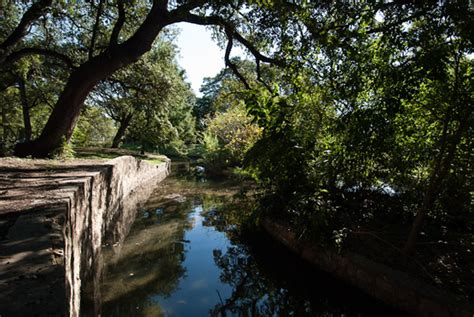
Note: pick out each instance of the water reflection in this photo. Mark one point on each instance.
(184, 257)
(149, 262)
(269, 280)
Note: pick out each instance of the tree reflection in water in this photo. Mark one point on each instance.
(150, 262)
(268, 280)
(158, 272)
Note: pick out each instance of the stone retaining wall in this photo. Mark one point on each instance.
(393, 287)
(92, 211)
(70, 209)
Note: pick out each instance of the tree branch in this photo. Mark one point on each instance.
(259, 76)
(15, 56)
(229, 29)
(31, 15)
(96, 28)
(187, 7)
(389, 26)
(229, 63)
(119, 24)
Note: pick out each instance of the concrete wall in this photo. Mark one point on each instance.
(96, 208)
(54, 218)
(393, 287)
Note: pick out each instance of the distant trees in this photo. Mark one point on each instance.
(226, 129)
(150, 95)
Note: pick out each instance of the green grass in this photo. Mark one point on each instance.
(107, 154)
(154, 161)
(96, 155)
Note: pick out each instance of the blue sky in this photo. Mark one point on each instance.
(199, 54)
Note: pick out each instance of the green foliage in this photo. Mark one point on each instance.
(228, 136)
(196, 151)
(370, 99)
(227, 130)
(395, 118)
(152, 96)
(225, 91)
(93, 129)
(266, 108)
(10, 120)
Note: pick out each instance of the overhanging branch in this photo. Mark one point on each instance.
(119, 24)
(15, 56)
(229, 29)
(187, 7)
(229, 63)
(95, 30)
(31, 15)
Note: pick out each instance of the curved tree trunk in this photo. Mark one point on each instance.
(124, 123)
(82, 81)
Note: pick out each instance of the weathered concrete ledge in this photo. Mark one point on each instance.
(393, 287)
(54, 217)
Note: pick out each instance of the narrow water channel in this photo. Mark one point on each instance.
(181, 259)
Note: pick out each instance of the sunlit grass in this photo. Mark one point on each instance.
(96, 155)
(154, 161)
(108, 154)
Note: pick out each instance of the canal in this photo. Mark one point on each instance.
(184, 256)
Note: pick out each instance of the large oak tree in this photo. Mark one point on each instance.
(94, 51)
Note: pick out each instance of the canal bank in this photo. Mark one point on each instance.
(393, 287)
(54, 217)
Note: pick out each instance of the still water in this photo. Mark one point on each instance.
(182, 257)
